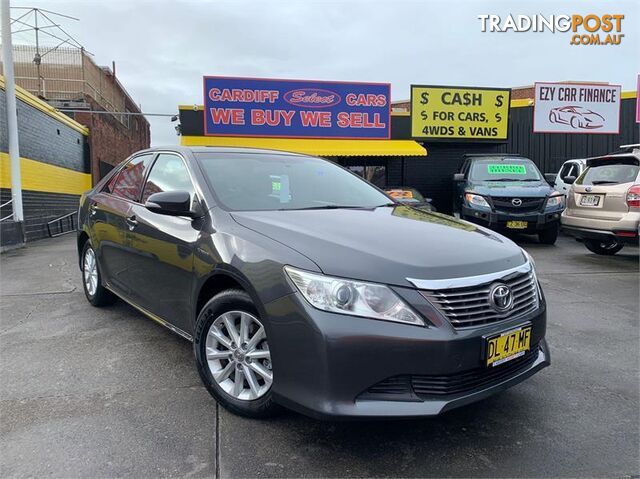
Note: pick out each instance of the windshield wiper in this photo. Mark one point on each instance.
(323, 207)
(603, 182)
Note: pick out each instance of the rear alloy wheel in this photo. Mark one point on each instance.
(233, 356)
(96, 294)
(606, 248)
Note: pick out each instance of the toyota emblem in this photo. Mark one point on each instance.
(501, 298)
(516, 202)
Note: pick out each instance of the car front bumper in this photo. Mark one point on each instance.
(498, 220)
(325, 364)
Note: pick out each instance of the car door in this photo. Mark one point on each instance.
(459, 187)
(569, 168)
(163, 246)
(108, 212)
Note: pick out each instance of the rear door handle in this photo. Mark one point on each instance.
(132, 222)
(93, 209)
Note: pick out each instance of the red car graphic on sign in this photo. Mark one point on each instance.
(579, 118)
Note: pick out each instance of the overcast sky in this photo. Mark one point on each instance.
(162, 48)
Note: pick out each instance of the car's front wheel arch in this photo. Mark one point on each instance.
(222, 278)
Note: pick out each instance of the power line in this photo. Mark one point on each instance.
(103, 112)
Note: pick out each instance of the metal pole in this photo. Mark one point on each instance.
(12, 117)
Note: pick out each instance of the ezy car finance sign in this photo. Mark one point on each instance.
(576, 108)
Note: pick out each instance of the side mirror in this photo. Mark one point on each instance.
(171, 203)
(458, 177)
(569, 180)
(551, 178)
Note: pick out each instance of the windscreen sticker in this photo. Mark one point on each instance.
(280, 188)
(508, 169)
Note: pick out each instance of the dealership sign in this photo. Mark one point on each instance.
(259, 107)
(576, 108)
(459, 113)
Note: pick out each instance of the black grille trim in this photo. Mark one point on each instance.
(423, 387)
(528, 205)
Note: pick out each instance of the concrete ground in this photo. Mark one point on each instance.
(88, 392)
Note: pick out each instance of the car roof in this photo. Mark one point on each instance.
(224, 149)
(483, 155)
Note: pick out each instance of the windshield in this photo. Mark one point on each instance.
(504, 169)
(609, 174)
(245, 182)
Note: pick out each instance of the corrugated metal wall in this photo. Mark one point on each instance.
(433, 175)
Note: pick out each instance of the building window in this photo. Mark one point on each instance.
(126, 119)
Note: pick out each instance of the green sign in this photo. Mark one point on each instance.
(506, 169)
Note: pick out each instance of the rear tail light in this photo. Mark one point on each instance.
(633, 197)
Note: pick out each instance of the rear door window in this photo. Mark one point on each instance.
(127, 183)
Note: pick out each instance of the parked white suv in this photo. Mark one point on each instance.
(569, 169)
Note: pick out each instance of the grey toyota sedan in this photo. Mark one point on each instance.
(302, 285)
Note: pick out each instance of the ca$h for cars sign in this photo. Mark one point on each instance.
(260, 107)
(459, 113)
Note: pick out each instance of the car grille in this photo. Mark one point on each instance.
(415, 387)
(528, 204)
(470, 306)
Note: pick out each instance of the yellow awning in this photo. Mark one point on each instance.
(314, 147)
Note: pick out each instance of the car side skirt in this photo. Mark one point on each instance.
(152, 316)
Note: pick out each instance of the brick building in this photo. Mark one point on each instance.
(69, 80)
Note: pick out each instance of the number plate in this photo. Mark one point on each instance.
(590, 200)
(508, 345)
(517, 225)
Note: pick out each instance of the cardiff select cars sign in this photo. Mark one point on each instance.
(576, 108)
(260, 107)
(459, 113)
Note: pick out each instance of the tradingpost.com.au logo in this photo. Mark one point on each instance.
(588, 29)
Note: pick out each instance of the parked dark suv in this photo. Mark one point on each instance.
(300, 284)
(507, 193)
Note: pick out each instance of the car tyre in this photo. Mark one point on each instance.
(549, 235)
(605, 248)
(575, 122)
(96, 294)
(217, 309)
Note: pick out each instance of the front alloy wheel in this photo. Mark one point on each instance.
(233, 356)
(238, 355)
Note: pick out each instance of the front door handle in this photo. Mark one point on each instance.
(132, 222)
(93, 209)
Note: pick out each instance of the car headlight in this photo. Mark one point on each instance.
(476, 200)
(555, 201)
(357, 298)
(533, 270)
